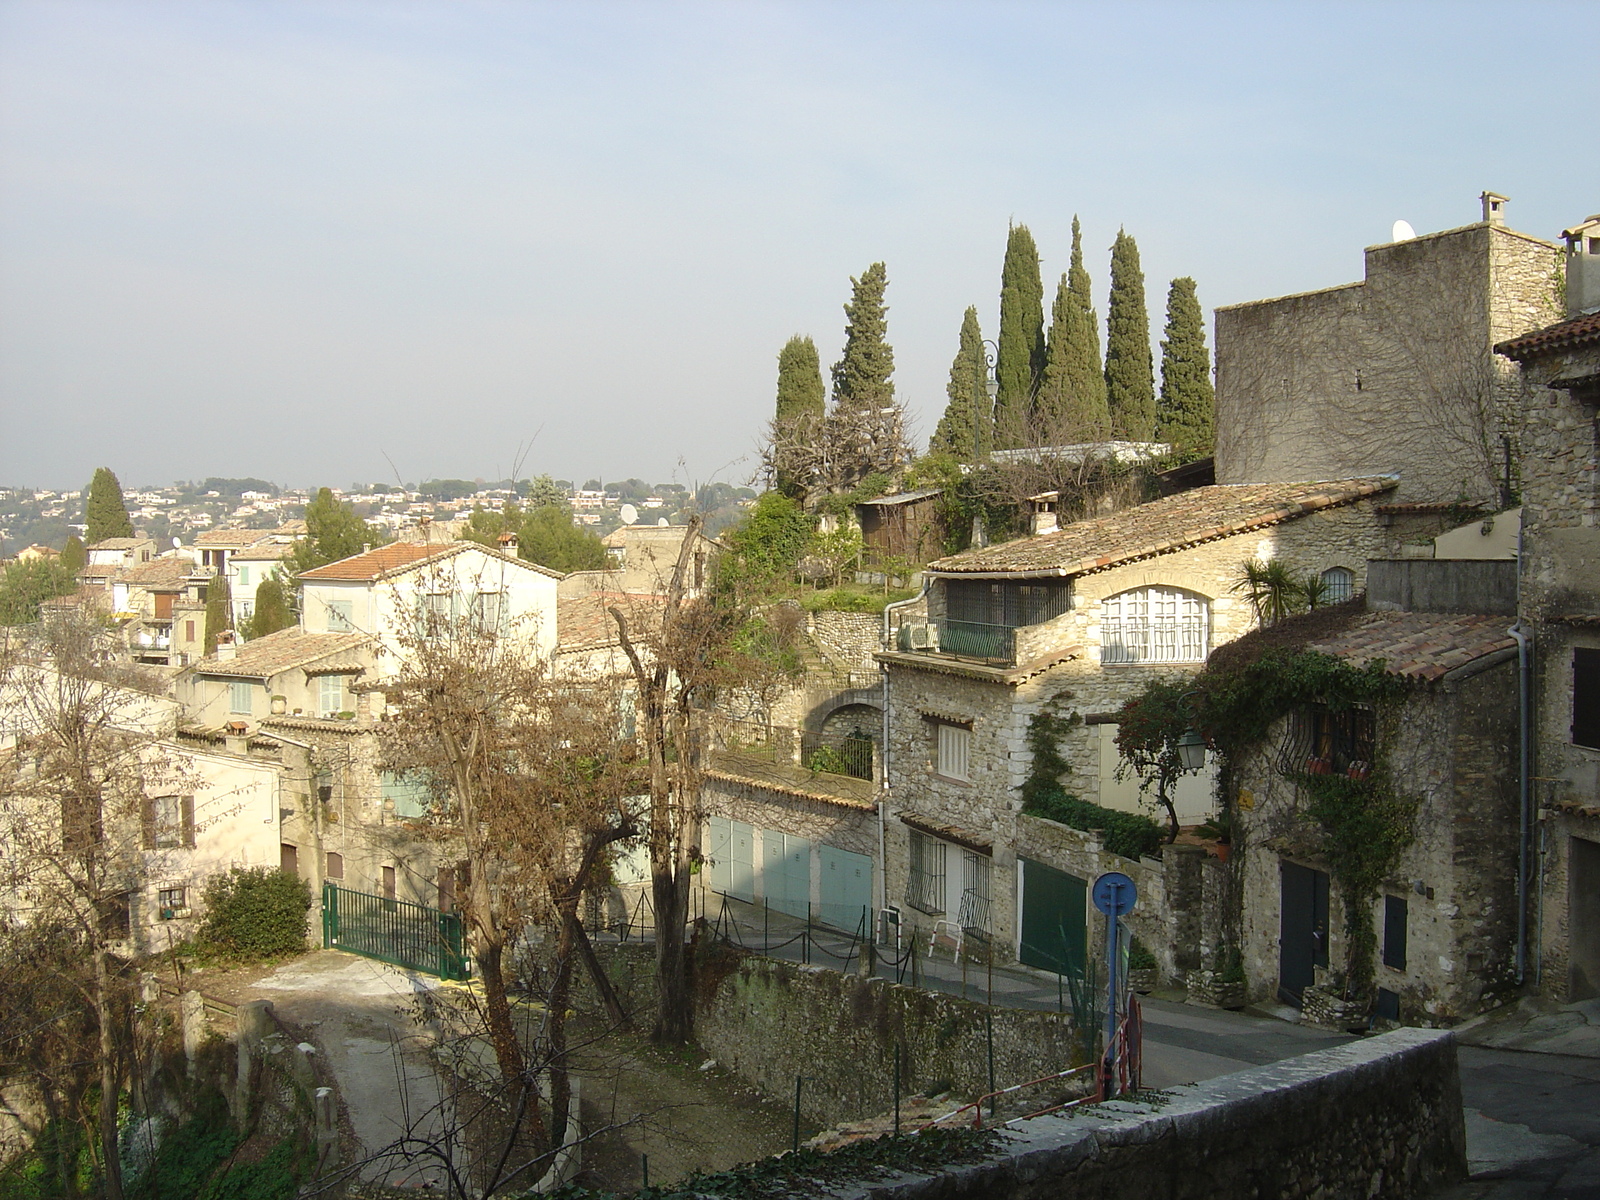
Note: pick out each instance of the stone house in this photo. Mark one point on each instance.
(1560, 611)
(252, 566)
(1446, 915)
(1393, 373)
(1075, 621)
(288, 673)
(145, 600)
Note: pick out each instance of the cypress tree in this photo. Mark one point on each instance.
(861, 376)
(967, 426)
(1185, 411)
(800, 390)
(1020, 360)
(271, 611)
(219, 610)
(1072, 393)
(104, 511)
(73, 555)
(1130, 374)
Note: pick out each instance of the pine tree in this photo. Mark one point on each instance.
(333, 531)
(800, 389)
(1020, 360)
(271, 611)
(1185, 412)
(861, 380)
(73, 555)
(104, 511)
(1130, 374)
(219, 609)
(967, 427)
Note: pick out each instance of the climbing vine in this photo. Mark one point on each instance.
(1363, 823)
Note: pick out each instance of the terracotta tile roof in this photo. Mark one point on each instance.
(1577, 808)
(584, 622)
(287, 649)
(231, 537)
(99, 570)
(1579, 331)
(1161, 526)
(1418, 645)
(118, 543)
(790, 779)
(158, 573)
(263, 552)
(376, 563)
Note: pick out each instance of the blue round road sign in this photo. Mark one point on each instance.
(1114, 894)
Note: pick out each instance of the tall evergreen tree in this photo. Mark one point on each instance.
(73, 555)
(800, 389)
(219, 609)
(333, 531)
(1072, 394)
(1130, 373)
(104, 511)
(861, 380)
(271, 612)
(1020, 360)
(1185, 412)
(967, 426)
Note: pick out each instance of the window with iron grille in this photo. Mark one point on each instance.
(1338, 585)
(1324, 742)
(1154, 625)
(974, 914)
(926, 882)
(992, 602)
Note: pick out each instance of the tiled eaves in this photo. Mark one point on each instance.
(940, 664)
(1420, 646)
(858, 794)
(1578, 331)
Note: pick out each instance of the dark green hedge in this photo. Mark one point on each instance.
(256, 912)
(1131, 835)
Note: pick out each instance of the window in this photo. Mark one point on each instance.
(486, 611)
(1154, 625)
(335, 865)
(974, 914)
(241, 697)
(1586, 698)
(1394, 932)
(171, 822)
(953, 750)
(288, 858)
(1338, 585)
(244, 576)
(1324, 742)
(410, 796)
(925, 884)
(331, 696)
(341, 617)
(168, 902)
(188, 631)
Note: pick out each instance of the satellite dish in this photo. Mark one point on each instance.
(630, 514)
(1402, 232)
(661, 521)
(177, 543)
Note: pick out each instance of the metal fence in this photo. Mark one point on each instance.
(397, 932)
(974, 639)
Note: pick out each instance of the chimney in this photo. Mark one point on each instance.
(1583, 267)
(236, 737)
(1045, 518)
(226, 648)
(1494, 208)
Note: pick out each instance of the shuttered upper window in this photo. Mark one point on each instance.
(953, 750)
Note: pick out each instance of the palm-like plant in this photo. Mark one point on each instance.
(1273, 592)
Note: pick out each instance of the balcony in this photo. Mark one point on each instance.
(974, 639)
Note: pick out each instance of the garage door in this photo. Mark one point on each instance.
(786, 872)
(1055, 928)
(846, 889)
(732, 872)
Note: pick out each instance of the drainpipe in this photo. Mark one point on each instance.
(883, 790)
(1525, 794)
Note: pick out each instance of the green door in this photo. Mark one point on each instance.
(1055, 926)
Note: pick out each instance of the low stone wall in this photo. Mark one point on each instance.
(850, 639)
(769, 1021)
(1379, 1118)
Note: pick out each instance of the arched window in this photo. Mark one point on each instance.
(1338, 585)
(1154, 625)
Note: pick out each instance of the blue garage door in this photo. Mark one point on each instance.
(846, 889)
(732, 871)
(786, 872)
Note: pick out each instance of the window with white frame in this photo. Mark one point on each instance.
(1154, 625)
(242, 697)
(331, 695)
(1338, 585)
(952, 750)
(925, 883)
(170, 901)
(486, 610)
(171, 822)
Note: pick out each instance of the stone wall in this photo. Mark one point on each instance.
(850, 639)
(1394, 373)
(768, 1021)
(1379, 1118)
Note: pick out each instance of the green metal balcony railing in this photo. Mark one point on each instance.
(973, 639)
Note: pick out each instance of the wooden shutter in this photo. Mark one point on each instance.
(186, 804)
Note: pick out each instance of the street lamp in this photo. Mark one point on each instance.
(991, 389)
(1192, 750)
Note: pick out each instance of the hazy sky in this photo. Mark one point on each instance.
(287, 239)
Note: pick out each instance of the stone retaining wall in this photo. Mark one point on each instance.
(1379, 1118)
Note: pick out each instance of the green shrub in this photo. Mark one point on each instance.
(256, 912)
(1139, 956)
(1131, 835)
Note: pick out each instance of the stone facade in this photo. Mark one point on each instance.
(1453, 749)
(996, 704)
(1391, 374)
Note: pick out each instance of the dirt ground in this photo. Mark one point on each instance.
(647, 1101)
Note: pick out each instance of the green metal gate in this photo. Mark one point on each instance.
(1054, 919)
(398, 932)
